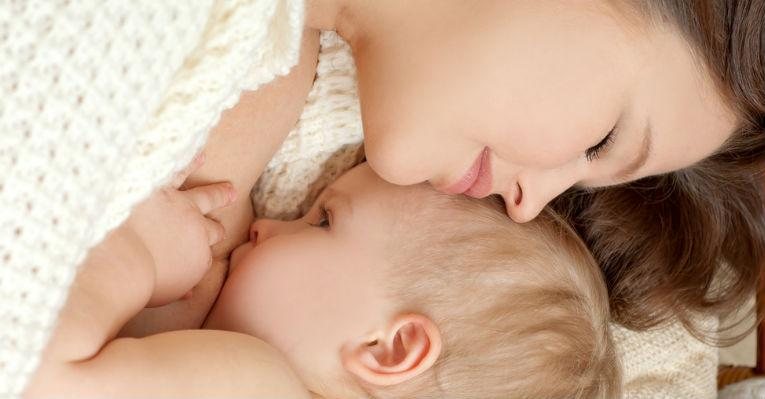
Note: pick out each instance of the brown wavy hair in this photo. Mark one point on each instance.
(691, 241)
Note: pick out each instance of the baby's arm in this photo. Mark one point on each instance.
(119, 277)
(180, 364)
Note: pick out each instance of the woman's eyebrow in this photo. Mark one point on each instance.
(641, 158)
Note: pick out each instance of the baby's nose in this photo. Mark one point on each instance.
(264, 229)
(253, 234)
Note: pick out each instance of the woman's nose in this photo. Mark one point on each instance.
(264, 229)
(533, 190)
(522, 207)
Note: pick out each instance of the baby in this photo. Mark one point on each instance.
(378, 291)
(401, 292)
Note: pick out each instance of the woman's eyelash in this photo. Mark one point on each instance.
(594, 152)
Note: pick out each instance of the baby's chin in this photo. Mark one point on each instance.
(220, 316)
(238, 255)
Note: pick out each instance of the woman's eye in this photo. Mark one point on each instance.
(594, 152)
(324, 221)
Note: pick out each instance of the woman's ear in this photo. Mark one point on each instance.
(409, 346)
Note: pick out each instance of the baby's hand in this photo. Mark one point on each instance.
(173, 227)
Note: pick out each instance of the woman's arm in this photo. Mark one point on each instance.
(248, 136)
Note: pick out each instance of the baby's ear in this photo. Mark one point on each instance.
(407, 347)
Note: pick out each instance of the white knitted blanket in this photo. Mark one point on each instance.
(664, 364)
(101, 103)
(749, 389)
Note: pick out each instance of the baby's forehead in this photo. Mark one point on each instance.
(425, 201)
(428, 217)
(420, 210)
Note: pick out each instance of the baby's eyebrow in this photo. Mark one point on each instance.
(641, 158)
(338, 198)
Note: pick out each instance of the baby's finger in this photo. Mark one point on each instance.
(185, 173)
(212, 196)
(215, 231)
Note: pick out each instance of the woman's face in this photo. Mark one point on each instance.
(528, 98)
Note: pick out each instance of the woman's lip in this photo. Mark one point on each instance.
(477, 180)
(482, 185)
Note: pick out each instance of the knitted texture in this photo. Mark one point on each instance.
(325, 142)
(103, 102)
(667, 363)
(749, 389)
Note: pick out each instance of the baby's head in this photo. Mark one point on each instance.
(389, 291)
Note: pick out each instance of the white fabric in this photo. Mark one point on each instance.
(101, 103)
(667, 363)
(749, 389)
(664, 364)
(324, 142)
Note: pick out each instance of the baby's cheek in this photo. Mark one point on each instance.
(260, 297)
(277, 292)
(230, 312)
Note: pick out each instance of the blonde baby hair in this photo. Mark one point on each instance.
(522, 308)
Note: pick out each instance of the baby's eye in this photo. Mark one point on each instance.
(325, 217)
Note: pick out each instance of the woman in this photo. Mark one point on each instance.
(528, 99)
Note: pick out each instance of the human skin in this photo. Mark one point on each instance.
(539, 84)
(538, 105)
(346, 322)
(316, 288)
(533, 84)
(146, 260)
